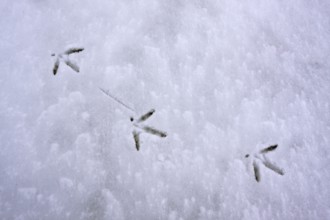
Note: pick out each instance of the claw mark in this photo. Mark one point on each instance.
(268, 149)
(56, 65)
(72, 65)
(136, 136)
(273, 167)
(65, 58)
(73, 50)
(154, 131)
(256, 171)
(146, 116)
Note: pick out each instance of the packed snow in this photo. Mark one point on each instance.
(226, 78)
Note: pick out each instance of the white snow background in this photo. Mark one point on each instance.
(226, 77)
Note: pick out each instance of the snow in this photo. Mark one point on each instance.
(226, 78)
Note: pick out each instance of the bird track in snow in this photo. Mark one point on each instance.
(65, 58)
(261, 157)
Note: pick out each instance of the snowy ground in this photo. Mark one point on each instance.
(226, 78)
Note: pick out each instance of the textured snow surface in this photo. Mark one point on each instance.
(226, 78)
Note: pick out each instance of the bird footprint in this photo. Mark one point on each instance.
(65, 58)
